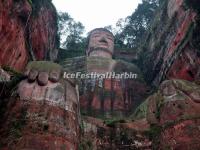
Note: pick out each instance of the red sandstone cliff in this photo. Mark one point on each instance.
(43, 36)
(28, 31)
(170, 117)
(170, 50)
(41, 116)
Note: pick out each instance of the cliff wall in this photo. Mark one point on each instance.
(170, 50)
(28, 31)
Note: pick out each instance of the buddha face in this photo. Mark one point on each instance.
(101, 43)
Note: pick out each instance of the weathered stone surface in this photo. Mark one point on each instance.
(152, 109)
(41, 117)
(43, 78)
(104, 136)
(172, 106)
(137, 125)
(54, 76)
(183, 135)
(24, 34)
(43, 36)
(30, 125)
(168, 53)
(13, 17)
(186, 66)
(176, 133)
(32, 75)
(176, 111)
(195, 96)
(167, 88)
(42, 71)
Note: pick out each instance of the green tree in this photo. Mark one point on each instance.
(70, 32)
(134, 27)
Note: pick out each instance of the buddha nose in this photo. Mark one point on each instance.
(103, 40)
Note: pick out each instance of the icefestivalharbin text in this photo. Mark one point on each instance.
(95, 75)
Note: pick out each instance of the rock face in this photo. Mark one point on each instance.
(43, 29)
(12, 32)
(172, 52)
(175, 112)
(184, 135)
(41, 116)
(24, 34)
(186, 67)
(99, 135)
(180, 97)
(169, 52)
(169, 119)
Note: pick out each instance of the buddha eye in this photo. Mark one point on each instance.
(95, 35)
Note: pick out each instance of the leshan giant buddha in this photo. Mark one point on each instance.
(110, 96)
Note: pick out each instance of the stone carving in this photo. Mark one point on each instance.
(106, 96)
(101, 43)
(48, 106)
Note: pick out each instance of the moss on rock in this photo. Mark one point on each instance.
(43, 66)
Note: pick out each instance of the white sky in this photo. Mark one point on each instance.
(97, 13)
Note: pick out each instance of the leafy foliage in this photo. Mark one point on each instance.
(132, 29)
(70, 32)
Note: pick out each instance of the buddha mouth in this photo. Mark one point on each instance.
(102, 45)
(100, 49)
(103, 42)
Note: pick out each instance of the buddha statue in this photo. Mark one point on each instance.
(110, 96)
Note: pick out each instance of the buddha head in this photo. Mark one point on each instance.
(100, 43)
